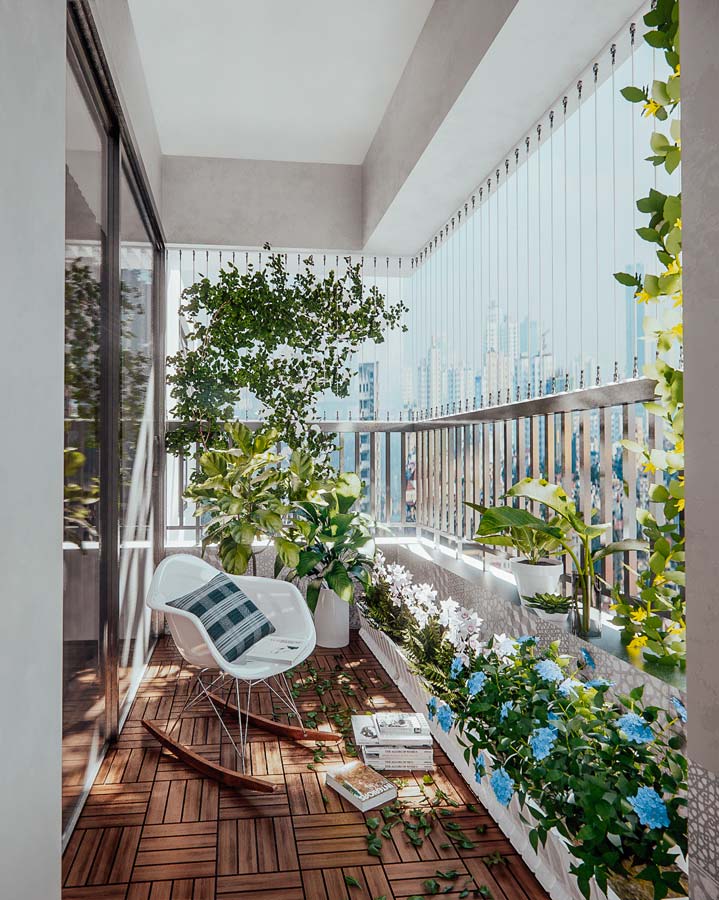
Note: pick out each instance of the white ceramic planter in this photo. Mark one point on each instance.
(551, 865)
(536, 578)
(332, 620)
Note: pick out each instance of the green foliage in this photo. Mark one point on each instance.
(78, 499)
(582, 785)
(575, 536)
(549, 603)
(284, 339)
(246, 492)
(655, 621)
(508, 526)
(327, 542)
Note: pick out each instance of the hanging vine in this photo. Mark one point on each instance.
(655, 621)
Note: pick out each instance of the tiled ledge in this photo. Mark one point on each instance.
(495, 598)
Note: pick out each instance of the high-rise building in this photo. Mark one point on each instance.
(368, 382)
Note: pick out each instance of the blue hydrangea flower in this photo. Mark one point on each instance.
(635, 728)
(552, 716)
(569, 687)
(541, 740)
(650, 808)
(456, 667)
(432, 708)
(680, 708)
(526, 638)
(502, 785)
(599, 684)
(505, 710)
(445, 717)
(475, 683)
(479, 768)
(548, 670)
(588, 658)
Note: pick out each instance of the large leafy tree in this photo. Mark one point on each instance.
(286, 339)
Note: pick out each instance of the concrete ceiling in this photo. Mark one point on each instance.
(275, 80)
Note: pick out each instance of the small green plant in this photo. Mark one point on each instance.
(328, 543)
(550, 603)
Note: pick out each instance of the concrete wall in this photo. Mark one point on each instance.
(32, 186)
(455, 37)
(242, 202)
(117, 34)
(700, 218)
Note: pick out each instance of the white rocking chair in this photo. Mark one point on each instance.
(285, 607)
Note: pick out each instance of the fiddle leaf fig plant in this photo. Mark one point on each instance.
(332, 543)
(284, 338)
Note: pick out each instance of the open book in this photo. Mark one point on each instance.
(273, 649)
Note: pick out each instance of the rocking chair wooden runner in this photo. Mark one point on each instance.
(216, 680)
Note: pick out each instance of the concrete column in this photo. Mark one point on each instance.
(32, 225)
(700, 217)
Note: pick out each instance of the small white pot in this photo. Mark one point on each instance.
(536, 578)
(555, 618)
(332, 620)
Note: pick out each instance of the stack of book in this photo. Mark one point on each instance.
(391, 741)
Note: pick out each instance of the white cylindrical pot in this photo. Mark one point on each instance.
(536, 578)
(332, 620)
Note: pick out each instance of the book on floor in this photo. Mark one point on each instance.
(361, 785)
(398, 759)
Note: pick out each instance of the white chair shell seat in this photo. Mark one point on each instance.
(279, 600)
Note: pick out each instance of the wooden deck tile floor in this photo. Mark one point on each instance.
(152, 829)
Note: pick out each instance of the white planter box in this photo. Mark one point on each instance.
(551, 865)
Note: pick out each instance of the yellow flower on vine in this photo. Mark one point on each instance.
(677, 72)
(680, 504)
(678, 330)
(643, 297)
(638, 642)
(638, 616)
(659, 580)
(678, 298)
(651, 107)
(678, 224)
(679, 448)
(649, 468)
(673, 268)
(676, 628)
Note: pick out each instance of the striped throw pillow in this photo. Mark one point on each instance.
(231, 619)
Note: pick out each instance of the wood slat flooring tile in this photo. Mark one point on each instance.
(153, 829)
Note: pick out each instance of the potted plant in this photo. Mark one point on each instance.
(550, 607)
(576, 537)
(329, 545)
(533, 568)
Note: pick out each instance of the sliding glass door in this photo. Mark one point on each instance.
(113, 265)
(85, 243)
(137, 393)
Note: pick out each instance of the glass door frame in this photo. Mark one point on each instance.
(87, 60)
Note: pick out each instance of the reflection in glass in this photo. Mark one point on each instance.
(136, 439)
(83, 697)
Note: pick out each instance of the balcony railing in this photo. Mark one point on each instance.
(418, 473)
